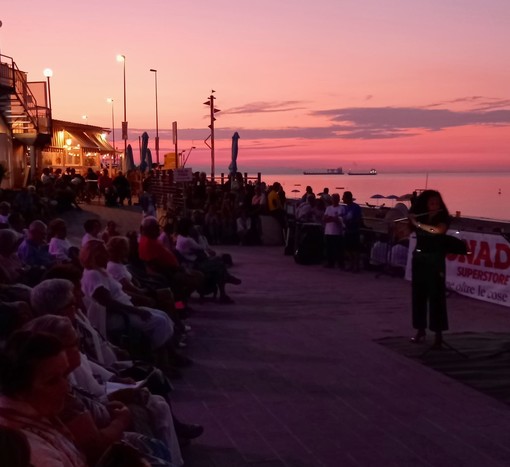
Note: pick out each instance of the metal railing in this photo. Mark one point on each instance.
(12, 77)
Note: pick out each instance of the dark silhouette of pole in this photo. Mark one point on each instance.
(122, 58)
(157, 122)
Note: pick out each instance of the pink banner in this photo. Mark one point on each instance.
(484, 274)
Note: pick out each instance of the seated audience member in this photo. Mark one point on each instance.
(166, 237)
(161, 261)
(33, 387)
(110, 231)
(246, 231)
(60, 248)
(104, 299)
(118, 251)
(194, 255)
(5, 212)
(147, 414)
(33, 251)
(66, 300)
(11, 267)
(92, 229)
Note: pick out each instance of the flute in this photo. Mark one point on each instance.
(416, 215)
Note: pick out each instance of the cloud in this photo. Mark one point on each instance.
(266, 107)
(365, 123)
(396, 121)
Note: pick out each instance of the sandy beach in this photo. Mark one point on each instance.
(293, 373)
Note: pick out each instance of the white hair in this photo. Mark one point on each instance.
(51, 295)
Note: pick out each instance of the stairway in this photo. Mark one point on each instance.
(18, 106)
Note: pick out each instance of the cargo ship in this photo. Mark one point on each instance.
(337, 171)
(360, 172)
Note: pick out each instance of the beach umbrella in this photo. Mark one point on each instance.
(377, 197)
(149, 159)
(130, 163)
(392, 197)
(232, 168)
(406, 197)
(143, 151)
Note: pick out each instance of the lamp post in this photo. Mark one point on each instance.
(157, 125)
(48, 72)
(122, 58)
(110, 101)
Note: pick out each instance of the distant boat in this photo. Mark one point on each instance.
(337, 171)
(367, 172)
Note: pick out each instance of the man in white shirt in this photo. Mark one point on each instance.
(334, 232)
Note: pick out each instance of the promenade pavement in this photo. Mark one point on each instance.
(291, 375)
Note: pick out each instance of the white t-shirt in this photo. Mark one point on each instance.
(87, 237)
(92, 280)
(59, 248)
(4, 219)
(187, 247)
(334, 228)
(118, 271)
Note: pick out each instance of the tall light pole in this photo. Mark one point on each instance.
(157, 123)
(122, 58)
(110, 101)
(48, 72)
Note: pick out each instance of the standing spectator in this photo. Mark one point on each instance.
(326, 197)
(334, 232)
(353, 220)
(123, 188)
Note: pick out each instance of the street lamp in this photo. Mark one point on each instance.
(157, 126)
(48, 72)
(122, 58)
(110, 101)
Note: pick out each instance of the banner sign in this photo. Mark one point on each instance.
(484, 274)
(183, 174)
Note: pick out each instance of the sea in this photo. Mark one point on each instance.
(479, 195)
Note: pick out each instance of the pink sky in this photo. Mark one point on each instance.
(396, 85)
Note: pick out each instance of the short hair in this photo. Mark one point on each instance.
(148, 221)
(37, 225)
(116, 246)
(22, 355)
(60, 327)
(89, 224)
(8, 240)
(50, 296)
(55, 225)
(88, 253)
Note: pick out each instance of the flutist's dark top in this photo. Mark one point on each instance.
(428, 242)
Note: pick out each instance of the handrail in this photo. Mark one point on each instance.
(18, 81)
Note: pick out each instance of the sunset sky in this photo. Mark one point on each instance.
(396, 84)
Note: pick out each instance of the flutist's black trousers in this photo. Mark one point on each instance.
(429, 291)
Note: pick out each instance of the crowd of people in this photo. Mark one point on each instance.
(91, 336)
